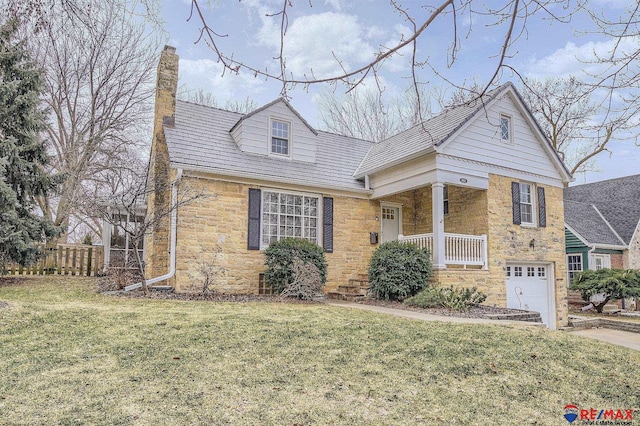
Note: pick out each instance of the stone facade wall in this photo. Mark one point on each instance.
(416, 210)
(467, 211)
(633, 255)
(219, 220)
(157, 243)
(477, 212)
(509, 242)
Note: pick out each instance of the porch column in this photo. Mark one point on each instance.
(437, 207)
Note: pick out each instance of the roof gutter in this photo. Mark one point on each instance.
(173, 234)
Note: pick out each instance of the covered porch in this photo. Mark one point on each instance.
(443, 210)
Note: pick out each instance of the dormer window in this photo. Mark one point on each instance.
(505, 128)
(280, 137)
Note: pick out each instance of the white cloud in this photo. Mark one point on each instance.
(317, 42)
(401, 60)
(575, 59)
(206, 74)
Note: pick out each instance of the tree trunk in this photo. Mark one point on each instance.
(600, 306)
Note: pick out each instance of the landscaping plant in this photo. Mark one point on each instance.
(613, 283)
(456, 299)
(306, 283)
(398, 271)
(279, 261)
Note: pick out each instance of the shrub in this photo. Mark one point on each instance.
(398, 270)
(306, 281)
(613, 283)
(279, 261)
(429, 297)
(456, 299)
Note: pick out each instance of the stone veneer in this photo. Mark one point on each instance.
(219, 220)
(477, 212)
(159, 199)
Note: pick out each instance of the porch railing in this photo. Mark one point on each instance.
(459, 249)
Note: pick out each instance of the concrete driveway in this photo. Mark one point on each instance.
(615, 337)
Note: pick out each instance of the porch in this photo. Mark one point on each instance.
(460, 250)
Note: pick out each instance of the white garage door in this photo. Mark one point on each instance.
(528, 288)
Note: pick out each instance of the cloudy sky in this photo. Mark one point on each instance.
(319, 31)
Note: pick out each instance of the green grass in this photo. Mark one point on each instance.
(70, 356)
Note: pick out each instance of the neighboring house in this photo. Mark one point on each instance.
(602, 225)
(478, 184)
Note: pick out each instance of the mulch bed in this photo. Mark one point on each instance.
(478, 311)
(107, 285)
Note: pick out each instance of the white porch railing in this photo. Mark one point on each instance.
(459, 249)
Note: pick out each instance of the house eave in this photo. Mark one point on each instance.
(255, 178)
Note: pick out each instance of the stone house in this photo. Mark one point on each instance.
(602, 225)
(478, 184)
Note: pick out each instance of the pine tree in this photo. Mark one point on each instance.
(22, 154)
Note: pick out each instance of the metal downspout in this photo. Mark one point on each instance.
(173, 233)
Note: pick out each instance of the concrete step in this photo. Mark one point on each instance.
(162, 288)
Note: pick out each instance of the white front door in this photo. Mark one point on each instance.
(390, 226)
(528, 288)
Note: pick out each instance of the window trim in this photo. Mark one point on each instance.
(319, 218)
(606, 261)
(509, 120)
(270, 138)
(532, 197)
(569, 271)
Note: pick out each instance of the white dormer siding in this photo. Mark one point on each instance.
(523, 151)
(253, 133)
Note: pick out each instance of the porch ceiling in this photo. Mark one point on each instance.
(424, 172)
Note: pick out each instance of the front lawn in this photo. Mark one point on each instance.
(70, 356)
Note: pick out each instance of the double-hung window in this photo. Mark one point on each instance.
(574, 266)
(280, 137)
(526, 204)
(289, 215)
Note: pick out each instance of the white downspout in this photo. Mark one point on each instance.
(174, 231)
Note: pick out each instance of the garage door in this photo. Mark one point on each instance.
(528, 288)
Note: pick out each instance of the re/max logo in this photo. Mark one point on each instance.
(594, 414)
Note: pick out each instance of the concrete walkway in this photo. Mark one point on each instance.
(427, 317)
(615, 337)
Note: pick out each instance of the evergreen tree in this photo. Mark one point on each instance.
(22, 154)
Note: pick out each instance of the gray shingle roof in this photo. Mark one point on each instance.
(617, 199)
(421, 138)
(200, 140)
(586, 220)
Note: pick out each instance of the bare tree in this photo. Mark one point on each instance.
(202, 97)
(366, 114)
(510, 16)
(130, 202)
(578, 127)
(99, 60)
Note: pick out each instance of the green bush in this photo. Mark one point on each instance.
(456, 299)
(613, 283)
(398, 270)
(429, 297)
(279, 261)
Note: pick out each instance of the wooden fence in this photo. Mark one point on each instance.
(64, 259)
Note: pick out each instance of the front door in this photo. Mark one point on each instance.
(390, 223)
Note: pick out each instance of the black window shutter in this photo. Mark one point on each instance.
(253, 239)
(327, 228)
(515, 199)
(542, 208)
